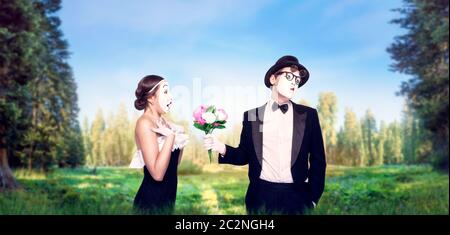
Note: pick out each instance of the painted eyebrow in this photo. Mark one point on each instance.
(165, 85)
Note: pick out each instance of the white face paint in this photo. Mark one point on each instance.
(286, 88)
(164, 97)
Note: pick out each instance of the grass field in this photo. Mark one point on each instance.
(384, 190)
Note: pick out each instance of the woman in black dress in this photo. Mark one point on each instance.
(159, 147)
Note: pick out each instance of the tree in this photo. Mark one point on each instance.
(125, 136)
(380, 140)
(19, 45)
(87, 142)
(414, 137)
(97, 129)
(118, 139)
(327, 110)
(108, 142)
(423, 53)
(369, 129)
(393, 144)
(38, 99)
(350, 144)
(72, 149)
(56, 99)
(339, 156)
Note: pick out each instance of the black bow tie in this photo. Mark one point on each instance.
(284, 107)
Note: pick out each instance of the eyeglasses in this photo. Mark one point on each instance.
(289, 76)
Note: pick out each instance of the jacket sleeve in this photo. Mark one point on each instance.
(317, 160)
(239, 156)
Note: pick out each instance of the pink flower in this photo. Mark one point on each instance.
(201, 121)
(208, 121)
(198, 114)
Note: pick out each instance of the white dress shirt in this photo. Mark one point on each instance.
(277, 144)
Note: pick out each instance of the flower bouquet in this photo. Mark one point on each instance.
(208, 118)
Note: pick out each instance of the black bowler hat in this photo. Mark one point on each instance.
(287, 61)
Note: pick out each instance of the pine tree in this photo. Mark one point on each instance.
(393, 144)
(97, 130)
(416, 139)
(327, 110)
(45, 92)
(422, 52)
(20, 43)
(87, 142)
(57, 99)
(125, 136)
(339, 156)
(381, 139)
(369, 129)
(352, 146)
(108, 142)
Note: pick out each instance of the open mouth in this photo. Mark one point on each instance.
(292, 89)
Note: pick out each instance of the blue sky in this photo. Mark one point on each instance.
(217, 52)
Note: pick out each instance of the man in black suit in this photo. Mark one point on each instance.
(282, 143)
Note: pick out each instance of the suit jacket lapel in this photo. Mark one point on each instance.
(256, 118)
(298, 132)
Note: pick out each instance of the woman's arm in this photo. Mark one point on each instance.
(156, 161)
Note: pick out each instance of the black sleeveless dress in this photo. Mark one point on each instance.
(158, 197)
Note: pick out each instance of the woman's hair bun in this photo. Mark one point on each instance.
(142, 91)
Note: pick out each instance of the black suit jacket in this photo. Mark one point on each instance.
(308, 159)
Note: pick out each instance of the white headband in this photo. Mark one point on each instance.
(157, 84)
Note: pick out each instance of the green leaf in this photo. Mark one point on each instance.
(211, 109)
(199, 126)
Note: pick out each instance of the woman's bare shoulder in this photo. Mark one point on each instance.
(144, 123)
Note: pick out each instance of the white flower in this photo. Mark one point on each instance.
(221, 115)
(209, 117)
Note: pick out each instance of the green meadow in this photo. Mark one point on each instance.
(383, 190)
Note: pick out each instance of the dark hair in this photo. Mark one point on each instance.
(144, 86)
